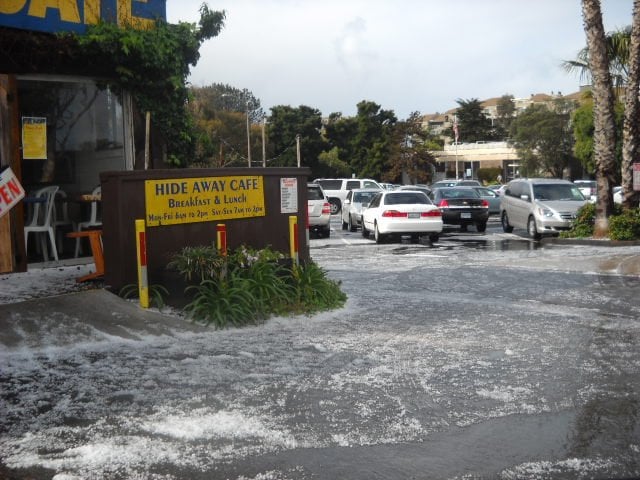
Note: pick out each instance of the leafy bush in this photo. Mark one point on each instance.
(625, 226)
(314, 291)
(583, 224)
(248, 285)
(489, 175)
(203, 263)
(224, 303)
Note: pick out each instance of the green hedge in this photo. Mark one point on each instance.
(623, 224)
(247, 286)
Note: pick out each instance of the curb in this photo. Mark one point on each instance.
(591, 242)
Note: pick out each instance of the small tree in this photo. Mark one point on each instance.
(220, 114)
(285, 123)
(506, 109)
(153, 66)
(473, 123)
(410, 154)
(543, 139)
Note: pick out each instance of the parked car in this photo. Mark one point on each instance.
(388, 186)
(353, 205)
(319, 210)
(491, 197)
(617, 194)
(588, 188)
(336, 189)
(417, 188)
(499, 189)
(452, 182)
(462, 206)
(398, 213)
(542, 206)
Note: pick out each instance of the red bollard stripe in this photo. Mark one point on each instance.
(143, 249)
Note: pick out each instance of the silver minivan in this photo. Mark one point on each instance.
(542, 206)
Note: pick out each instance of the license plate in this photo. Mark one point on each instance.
(414, 215)
(465, 215)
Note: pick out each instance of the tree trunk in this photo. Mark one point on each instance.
(631, 128)
(604, 124)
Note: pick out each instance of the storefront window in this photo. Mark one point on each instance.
(84, 127)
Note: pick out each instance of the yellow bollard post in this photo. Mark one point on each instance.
(141, 250)
(221, 239)
(293, 239)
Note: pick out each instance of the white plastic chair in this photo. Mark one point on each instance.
(95, 219)
(61, 218)
(42, 220)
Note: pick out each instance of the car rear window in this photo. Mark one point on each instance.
(459, 193)
(314, 193)
(399, 198)
(363, 197)
(330, 184)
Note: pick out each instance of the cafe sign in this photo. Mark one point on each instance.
(55, 16)
(11, 192)
(203, 199)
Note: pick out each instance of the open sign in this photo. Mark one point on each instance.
(11, 192)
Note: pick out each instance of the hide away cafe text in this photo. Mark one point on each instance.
(74, 15)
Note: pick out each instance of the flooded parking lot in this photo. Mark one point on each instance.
(455, 360)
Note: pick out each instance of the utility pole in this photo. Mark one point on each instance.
(264, 143)
(248, 138)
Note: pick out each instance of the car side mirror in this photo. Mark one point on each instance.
(347, 201)
(525, 197)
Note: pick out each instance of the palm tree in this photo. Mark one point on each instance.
(631, 129)
(618, 45)
(604, 121)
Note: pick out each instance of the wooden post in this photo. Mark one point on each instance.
(147, 140)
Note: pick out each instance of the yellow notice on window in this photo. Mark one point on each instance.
(34, 138)
(205, 199)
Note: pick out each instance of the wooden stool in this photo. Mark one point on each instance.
(95, 239)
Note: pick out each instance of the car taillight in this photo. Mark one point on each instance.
(443, 203)
(326, 208)
(485, 204)
(431, 213)
(393, 214)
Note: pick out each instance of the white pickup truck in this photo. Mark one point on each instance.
(336, 189)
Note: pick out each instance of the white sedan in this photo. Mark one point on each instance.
(401, 212)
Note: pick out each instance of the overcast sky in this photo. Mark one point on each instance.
(405, 55)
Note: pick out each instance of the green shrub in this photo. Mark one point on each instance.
(314, 291)
(268, 284)
(488, 175)
(248, 285)
(583, 224)
(199, 263)
(625, 226)
(224, 303)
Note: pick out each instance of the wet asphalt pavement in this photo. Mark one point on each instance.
(482, 356)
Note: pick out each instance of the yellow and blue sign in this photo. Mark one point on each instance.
(203, 199)
(75, 15)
